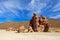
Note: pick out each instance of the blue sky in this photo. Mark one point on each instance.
(22, 10)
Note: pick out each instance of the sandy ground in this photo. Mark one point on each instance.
(12, 35)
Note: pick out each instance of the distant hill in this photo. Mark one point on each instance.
(53, 22)
(13, 24)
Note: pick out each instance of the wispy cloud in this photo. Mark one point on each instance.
(18, 9)
(57, 7)
(56, 17)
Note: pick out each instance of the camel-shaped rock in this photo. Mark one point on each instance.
(21, 29)
(44, 21)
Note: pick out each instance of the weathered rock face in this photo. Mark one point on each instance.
(46, 27)
(39, 25)
(30, 29)
(21, 29)
(34, 22)
(40, 28)
(43, 21)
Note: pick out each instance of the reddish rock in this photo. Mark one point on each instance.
(39, 25)
(34, 22)
(46, 27)
(21, 29)
(30, 29)
(44, 21)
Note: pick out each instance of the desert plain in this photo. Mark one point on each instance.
(13, 35)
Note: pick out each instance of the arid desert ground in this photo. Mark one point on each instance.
(13, 35)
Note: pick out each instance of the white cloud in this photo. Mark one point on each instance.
(56, 17)
(32, 1)
(11, 6)
(1, 11)
(56, 7)
(33, 6)
(36, 6)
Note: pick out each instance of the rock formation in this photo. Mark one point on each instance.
(21, 29)
(46, 27)
(34, 22)
(40, 28)
(43, 21)
(30, 29)
(39, 25)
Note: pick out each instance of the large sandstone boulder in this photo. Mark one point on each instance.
(30, 29)
(44, 21)
(21, 29)
(41, 28)
(46, 27)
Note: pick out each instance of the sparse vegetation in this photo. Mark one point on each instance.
(54, 23)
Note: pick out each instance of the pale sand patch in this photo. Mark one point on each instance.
(12, 35)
